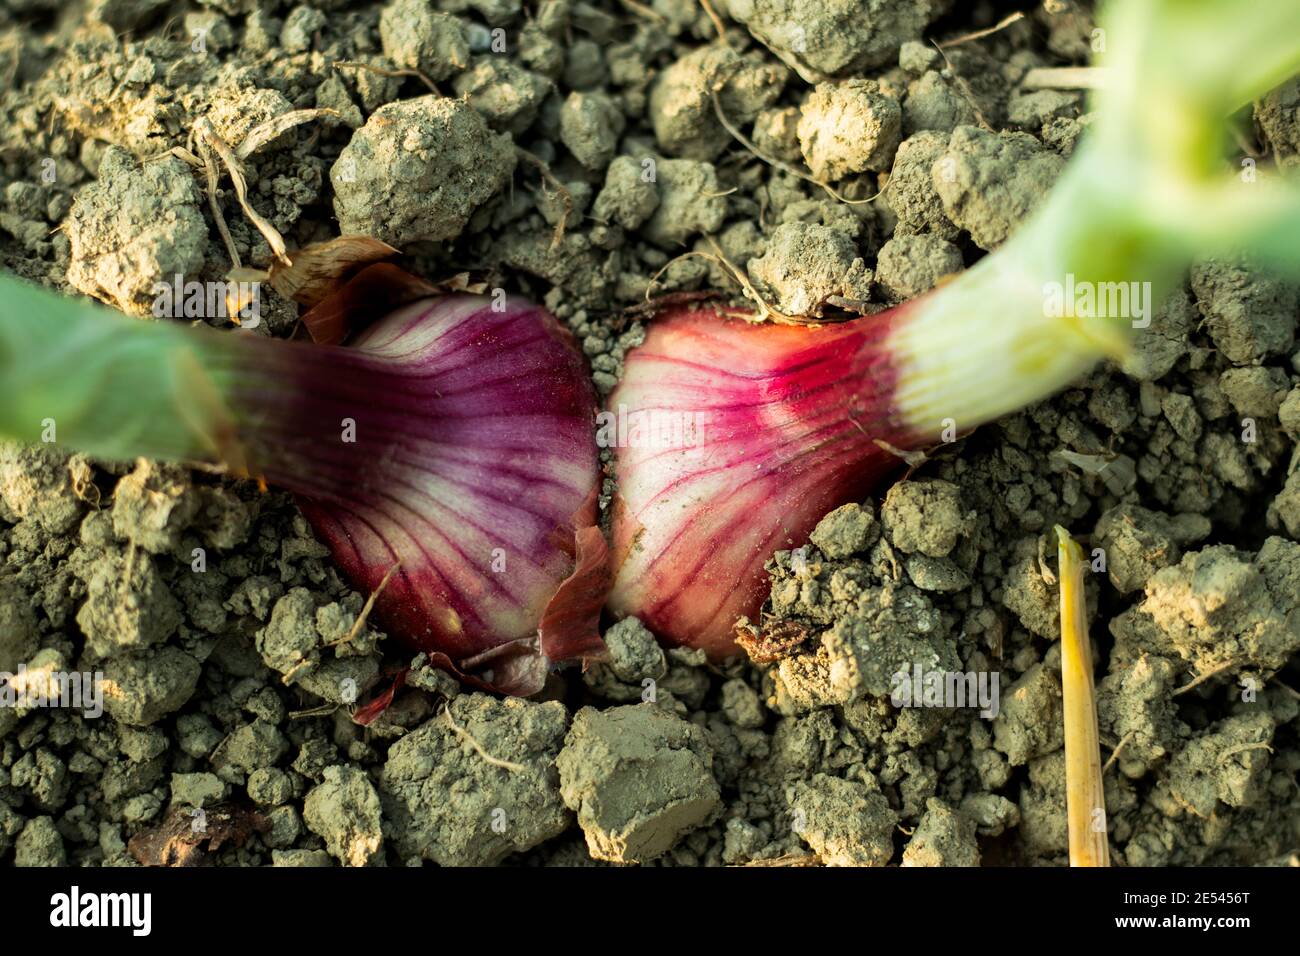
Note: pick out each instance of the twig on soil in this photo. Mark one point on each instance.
(781, 164)
(766, 310)
(565, 196)
(649, 308)
(1233, 751)
(692, 254)
(913, 459)
(478, 747)
(213, 175)
(981, 34)
(289, 676)
(641, 10)
(324, 710)
(790, 859)
(1200, 679)
(360, 622)
(717, 21)
(1114, 754)
(273, 128)
(717, 257)
(381, 71)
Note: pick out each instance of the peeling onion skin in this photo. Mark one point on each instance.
(790, 418)
(472, 463)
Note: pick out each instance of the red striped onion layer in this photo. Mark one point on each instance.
(736, 440)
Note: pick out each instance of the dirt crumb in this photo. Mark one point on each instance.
(1227, 764)
(944, 837)
(847, 530)
(141, 688)
(1278, 115)
(1029, 724)
(691, 202)
(847, 128)
(629, 196)
(417, 37)
(507, 95)
(638, 778)
(925, 516)
(472, 788)
(40, 844)
(1250, 315)
(153, 506)
(845, 822)
(1138, 542)
(1219, 610)
(908, 266)
(344, 811)
(133, 227)
(805, 265)
(911, 192)
(820, 40)
(590, 125)
(681, 99)
(990, 182)
(1134, 704)
(417, 170)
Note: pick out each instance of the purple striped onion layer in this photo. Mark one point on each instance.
(453, 441)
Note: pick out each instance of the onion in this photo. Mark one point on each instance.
(472, 472)
(452, 441)
(473, 469)
(736, 438)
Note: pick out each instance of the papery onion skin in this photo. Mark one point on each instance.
(454, 440)
(791, 415)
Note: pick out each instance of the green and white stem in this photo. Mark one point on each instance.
(791, 422)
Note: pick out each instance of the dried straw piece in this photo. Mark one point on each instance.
(1085, 800)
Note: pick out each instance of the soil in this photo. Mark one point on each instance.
(227, 637)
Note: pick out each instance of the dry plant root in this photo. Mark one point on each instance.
(380, 71)
(213, 152)
(466, 736)
(551, 180)
(746, 142)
